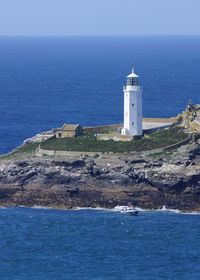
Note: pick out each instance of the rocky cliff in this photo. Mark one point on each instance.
(171, 179)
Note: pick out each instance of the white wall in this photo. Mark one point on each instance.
(132, 110)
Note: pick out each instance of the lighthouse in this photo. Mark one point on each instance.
(132, 106)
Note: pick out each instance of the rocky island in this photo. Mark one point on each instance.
(146, 179)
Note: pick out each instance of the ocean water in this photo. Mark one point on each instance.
(45, 82)
(39, 244)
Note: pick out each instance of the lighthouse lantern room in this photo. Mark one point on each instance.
(132, 106)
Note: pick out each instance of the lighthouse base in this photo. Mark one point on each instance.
(127, 132)
(124, 131)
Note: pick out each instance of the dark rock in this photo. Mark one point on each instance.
(78, 164)
(137, 161)
(173, 181)
(22, 164)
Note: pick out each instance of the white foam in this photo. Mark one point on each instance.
(117, 208)
(3, 207)
(91, 208)
(41, 207)
(163, 209)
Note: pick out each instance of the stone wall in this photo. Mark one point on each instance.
(154, 129)
(160, 120)
(170, 147)
(102, 129)
(43, 152)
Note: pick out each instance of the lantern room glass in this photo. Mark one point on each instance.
(132, 81)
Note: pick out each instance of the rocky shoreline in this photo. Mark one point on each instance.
(171, 179)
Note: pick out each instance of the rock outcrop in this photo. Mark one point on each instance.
(190, 118)
(172, 179)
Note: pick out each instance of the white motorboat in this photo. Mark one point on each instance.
(129, 210)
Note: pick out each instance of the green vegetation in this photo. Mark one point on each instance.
(22, 152)
(88, 143)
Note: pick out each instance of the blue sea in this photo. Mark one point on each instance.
(38, 244)
(45, 82)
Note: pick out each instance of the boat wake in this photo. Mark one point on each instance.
(118, 208)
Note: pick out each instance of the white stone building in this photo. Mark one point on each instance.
(132, 106)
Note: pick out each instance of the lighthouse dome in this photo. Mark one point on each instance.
(132, 75)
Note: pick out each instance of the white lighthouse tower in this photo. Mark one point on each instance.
(132, 106)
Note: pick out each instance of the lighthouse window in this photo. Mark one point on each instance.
(132, 104)
(132, 123)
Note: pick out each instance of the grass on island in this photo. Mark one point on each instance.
(22, 152)
(88, 143)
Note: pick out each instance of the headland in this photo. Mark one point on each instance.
(162, 168)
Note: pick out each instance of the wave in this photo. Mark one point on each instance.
(91, 208)
(177, 211)
(42, 207)
(117, 208)
(163, 209)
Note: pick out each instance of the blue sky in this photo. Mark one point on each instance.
(99, 17)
